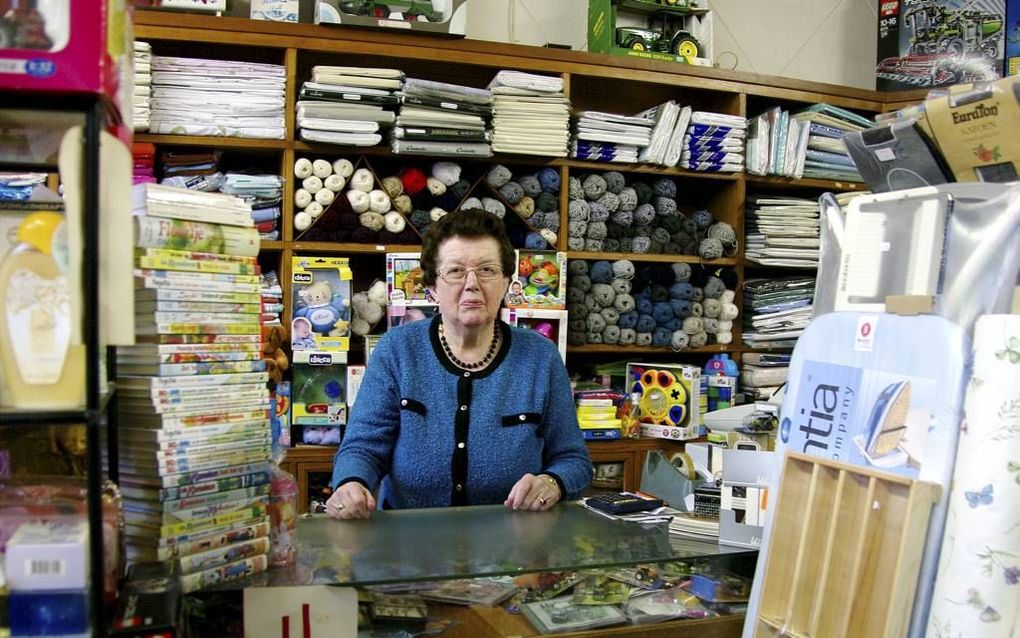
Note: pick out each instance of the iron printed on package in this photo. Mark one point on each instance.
(929, 43)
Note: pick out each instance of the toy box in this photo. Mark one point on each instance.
(668, 30)
(745, 497)
(667, 399)
(925, 43)
(399, 315)
(320, 321)
(405, 285)
(319, 390)
(540, 281)
(551, 324)
(40, 51)
(275, 10)
(1012, 66)
(279, 416)
(355, 374)
(437, 17)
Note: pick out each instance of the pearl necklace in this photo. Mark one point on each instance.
(484, 361)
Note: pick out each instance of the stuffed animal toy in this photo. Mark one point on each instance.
(327, 312)
(273, 338)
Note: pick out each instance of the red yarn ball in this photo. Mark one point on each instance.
(414, 180)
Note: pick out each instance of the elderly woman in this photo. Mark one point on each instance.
(462, 409)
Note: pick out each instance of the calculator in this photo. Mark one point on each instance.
(616, 503)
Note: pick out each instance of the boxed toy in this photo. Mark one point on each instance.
(40, 51)
(667, 399)
(551, 324)
(319, 390)
(669, 30)
(399, 315)
(540, 280)
(321, 302)
(405, 285)
(1012, 38)
(925, 43)
(436, 17)
(745, 492)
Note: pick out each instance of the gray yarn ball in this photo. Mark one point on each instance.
(589, 300)
(626, 244)
(593, 245)
(623, 217)
(623, 268)
(604, 294)
(714, 288)
(644, 214)
(511, 192)
(611, 335)
(710, 248)
(692, 325)
(711, 325)
(724, 233)
(574, 189)
(532, 187)
(494, 206)
(699, 339)
(611, 245)
(577, 310)
(594, 187)
(621, 286)
(547, 202)
(699, 295)
(594, 337)
(576, 338)
(664, 187)
(642, 231)
(611, 315)
(660, 236)
(577, 228)
(644, 193)
(574, 296)
(644, 339)
(472, 203)
(610, 201)
(664, 206)
(577, 267)
(679, 340)
(642, 245)
(697, 309)
(575, 243)
(656, 247)
(596, 230)
(689, 226)
(526, 207)
(702, 218)
(596, 322)
(581, 282)
(624, 303)
(673, 248)
(579, 210)
(627, 336)
(671, 224)
(712, 308)
(498, 176)
(614, 181)
(628, 199)
(681, 272)
(599, 213)
(579, 325)
(372, 221)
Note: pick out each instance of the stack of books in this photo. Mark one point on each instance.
(264, 193)
(141, 100)
(348, 105)
(597, 413)
(219, 98)
(782, 231)
(776, 311)
(607, 137)
(193, 406)
(669, 124)
(531, 114)
(436, 118)
(714, 142)
(696, 527)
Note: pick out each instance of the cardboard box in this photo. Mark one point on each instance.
(924, 43)
(745, 491)
(448, 17)
(975, 127)
(606, 17)
(551, 323)
(668, 398)
(48, 556)
(81, 47)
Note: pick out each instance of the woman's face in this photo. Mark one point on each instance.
(475, 301)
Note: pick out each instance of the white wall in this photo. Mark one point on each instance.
(821, 40)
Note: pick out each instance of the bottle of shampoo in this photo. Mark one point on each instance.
(41, 366)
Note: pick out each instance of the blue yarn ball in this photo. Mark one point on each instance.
(681, 290)
(645, 323)
(702, 218)
(534, 241)
(628, 319)
(643, 304)
(664, 187)
(672, 325)
(601, 272)
(662, 312)
(549, 178)
(681, 308)
(661, 336)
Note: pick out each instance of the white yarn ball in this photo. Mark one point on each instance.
(312, 184)
(724, 338)
(379, 201)
(334, 183)
(343, 168)
(358, 200)
(302, 198)
(302, 221)
(302, 168)
(728, 296)
(394, 222)
(321, 168)
(362, 180)
(315, 209)
(726, 325)
(325, 197)
(436, 214)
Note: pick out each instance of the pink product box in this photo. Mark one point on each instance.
(79, 46)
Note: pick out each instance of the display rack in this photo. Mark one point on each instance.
(97, 411)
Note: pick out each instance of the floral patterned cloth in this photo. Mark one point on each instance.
(977, 592)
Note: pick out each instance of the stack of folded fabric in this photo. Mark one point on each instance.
(762, 374)
(272, 298)
(777, 311)
(669, 123)
(143, 86)
(143, 156)
(531, 114)
(826, 155)
(219, 98)
(714, 142)
(443, 119)
(348, 105)
(782, 231)
(198, 171)
(607, 137)
(264, 193)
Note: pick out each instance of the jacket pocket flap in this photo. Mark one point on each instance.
(414, 406)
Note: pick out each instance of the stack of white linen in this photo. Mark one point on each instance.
(348, 105)
(608, 137)
(531, 115)
(143, 86)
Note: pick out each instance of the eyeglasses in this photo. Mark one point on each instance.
(458, 274)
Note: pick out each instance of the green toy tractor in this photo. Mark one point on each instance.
(653, 38)
(410, 9)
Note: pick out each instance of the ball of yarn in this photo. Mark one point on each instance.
(312, 184)
(643, 191)
(534, 241)
(702, 218)
(662, 312)
(725, 234)
(699, 294)
(610, 201)
(679, 340)
(628, 199)
(628, 319)
(697, 309)
(699, 339)
(643, 304)
(664, 206)
(574, 188)
(303, 168)
(601, 272)
(596, 230)
(621, 286)
(549, 236)
(576, 310)
(547, 202)
(379, 201)
(725, 325)
(575, 243)
(659, 237)
(302, 221)
(604, 294)
(577, 267)
(446, 172)
(334, 183)
(664, 187)
(670, 223)
(372, 220)
(626, 244)
(414, 180)
(324, 197)
(344, 168)
(681, 290)
(724, 337)
(615, 181)
(692, 325)
(728, 312)
(710, 248)
(511, 192)
(532, 187)
(610, 315)
(611, 245)
(498, 176)
(436, 213)
(459, 189)
(623, 303)
(681, 308)
(596, 322)
(661, 337)
(394, 222)
(714, 288)
(728, 296)
(711, 325)
(549, 178)
(436, 187)
(623, 268)
(657, 293)
(611, 335)
(599, 213)
(644, 214)
(645, 323)
(472, 203)
(581, 282)
(359, 201)
(402, 203)
(526, 207)
(321, 168)
(642, 245)
(577, 228)
(594, 245)
(628, 336)
(494, 206)
(302, 198)
(315, 209)
(420, 219)
(594, 187)
(362, 180)
(623, 217)
(643, 339)
(712, 308)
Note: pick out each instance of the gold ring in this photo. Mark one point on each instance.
(339, 507)
(543, 500)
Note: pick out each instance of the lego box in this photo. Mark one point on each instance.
(929, 43)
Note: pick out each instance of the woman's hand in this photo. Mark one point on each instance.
(536, 493)
(351, 500)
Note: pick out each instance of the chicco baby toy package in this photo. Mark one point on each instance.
(540, 281)
(321, 306)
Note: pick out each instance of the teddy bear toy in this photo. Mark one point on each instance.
(326, 311)
(273, 338)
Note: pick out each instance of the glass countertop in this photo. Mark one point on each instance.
(467, 542)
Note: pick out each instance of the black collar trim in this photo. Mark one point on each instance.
(437, 348)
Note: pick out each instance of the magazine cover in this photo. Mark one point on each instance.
(560, 614)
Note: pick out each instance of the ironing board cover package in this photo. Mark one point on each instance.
(874, 390)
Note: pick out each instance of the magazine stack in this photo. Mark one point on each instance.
(193, 405)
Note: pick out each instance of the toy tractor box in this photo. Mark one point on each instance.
(1012, 66)
(668, 398)
(931, 43)
(435, 17)
(668, 30)
(320, 306)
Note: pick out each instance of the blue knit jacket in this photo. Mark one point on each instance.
(435, 435)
